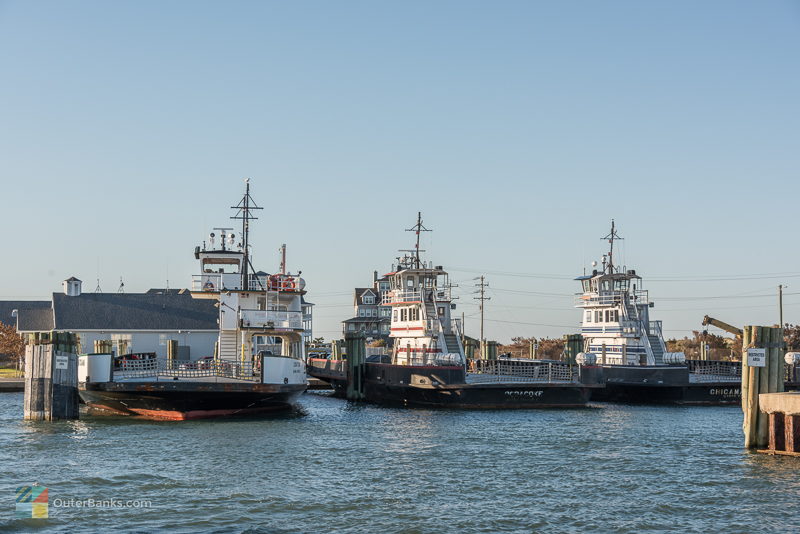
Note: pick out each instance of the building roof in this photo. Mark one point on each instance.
(159, 311)
(8, 306)
(35, 320)
(361, 291)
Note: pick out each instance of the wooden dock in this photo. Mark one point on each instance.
(783, 411)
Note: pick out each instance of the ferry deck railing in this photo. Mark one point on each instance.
(271, 319)
(171, 369)
(714, 371)
(426, 294)
(492, 371)
(611, 298)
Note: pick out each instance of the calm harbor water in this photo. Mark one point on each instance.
(340, 467)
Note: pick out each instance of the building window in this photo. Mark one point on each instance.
(374, 312)
(369, 299)
(441, 311)
(351, 327)
(385, 328)
(362, 312)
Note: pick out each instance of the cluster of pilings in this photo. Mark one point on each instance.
(757, 380)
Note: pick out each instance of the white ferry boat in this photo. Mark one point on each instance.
(427, 365)
(620, 337)
(239, 379)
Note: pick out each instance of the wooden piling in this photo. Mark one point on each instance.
(356, 358)
(573, 344)
(172, 349)
(51, 384)
(756, 426)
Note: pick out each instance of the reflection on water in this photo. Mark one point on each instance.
(338, 466)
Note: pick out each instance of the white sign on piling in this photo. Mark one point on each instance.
(756, 357)
(62, 362)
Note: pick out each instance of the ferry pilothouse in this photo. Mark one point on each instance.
(427, 365)
(620, 337)
(258, 364)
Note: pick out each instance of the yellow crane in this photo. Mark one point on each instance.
(722, 325)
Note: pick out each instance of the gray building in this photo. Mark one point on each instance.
(370, 316)
(133, 322)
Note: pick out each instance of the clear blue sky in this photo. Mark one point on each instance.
(519, 129)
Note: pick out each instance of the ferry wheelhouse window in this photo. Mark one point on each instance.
(404, 314)
(586, 285)
(220, 265)
(394, 315)
(588, 316)
(598, 316)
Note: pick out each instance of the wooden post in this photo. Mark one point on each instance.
(757, 426)
(172, 349)
(51, 384)
(356, 358)
(750, 382)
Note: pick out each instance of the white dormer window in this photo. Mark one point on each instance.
(369, 299)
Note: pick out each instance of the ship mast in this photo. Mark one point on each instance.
(417, 228)
(245, 207)
(611, 237)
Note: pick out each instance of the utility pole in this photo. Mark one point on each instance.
(780, 304)
(482, 285)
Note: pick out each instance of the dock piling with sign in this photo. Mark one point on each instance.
(51, 383)
(762, 373)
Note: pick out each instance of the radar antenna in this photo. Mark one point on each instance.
(611, 237)
(417, 228)
(245, 208)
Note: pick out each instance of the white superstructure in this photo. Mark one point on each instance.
(616, 325)
(421, 302)
(258, 312)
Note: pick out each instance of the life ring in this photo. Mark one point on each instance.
(208, 286)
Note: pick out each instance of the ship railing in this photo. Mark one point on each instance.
(714, 371)
(456, 327)
(486, 371)
(400, 296)
(271, 319)
(216, 281)
(655, 329)
(611, 298)
(161, 369)
(437, 359)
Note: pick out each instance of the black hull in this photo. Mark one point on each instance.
(479, 396)
(177, 401)
(447, 387)
(663, 385)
